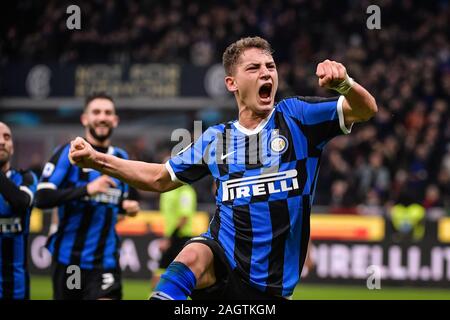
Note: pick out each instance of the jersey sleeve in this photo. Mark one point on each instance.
(125, 187)
(29, 185)
(190, 164)
(56, 169)
(128, 193)
(321, 119)
(19, 194)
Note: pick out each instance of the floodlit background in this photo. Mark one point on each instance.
(383, 195)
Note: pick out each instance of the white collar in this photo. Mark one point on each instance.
(8, 173)
(258, 128)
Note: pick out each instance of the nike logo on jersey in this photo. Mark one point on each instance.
(263, 184)
(223, 156)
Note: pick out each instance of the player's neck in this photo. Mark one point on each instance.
(5, 168)
(249, 119)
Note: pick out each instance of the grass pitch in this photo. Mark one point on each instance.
(41, 289)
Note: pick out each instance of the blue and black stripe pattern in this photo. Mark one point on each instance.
(266, 180)
(14, 229)
(86, 233)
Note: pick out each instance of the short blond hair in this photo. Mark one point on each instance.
(232, 54)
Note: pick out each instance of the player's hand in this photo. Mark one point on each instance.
(331, 74)
(131, 207)
(81, 153)
(164, 244)
(100, 185)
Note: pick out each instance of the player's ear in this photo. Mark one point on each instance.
(83, 119)
(116, 120)
(230, 83)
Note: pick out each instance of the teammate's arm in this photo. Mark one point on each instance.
(50, 191)
(18, 198)
(359, 105)
(141, 175)
(51, 196)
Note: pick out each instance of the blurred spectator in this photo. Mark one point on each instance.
(432, 197)
(341, 198)
(373, 176)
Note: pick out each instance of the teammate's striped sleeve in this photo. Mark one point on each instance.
(56, 169)
(29, 184)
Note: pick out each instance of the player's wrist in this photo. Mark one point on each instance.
(345, 85)
(98, 160)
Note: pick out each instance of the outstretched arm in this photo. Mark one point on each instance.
(359, 105)
(141, 175)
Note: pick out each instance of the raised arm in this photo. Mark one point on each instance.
(359, 105)
(141, 175)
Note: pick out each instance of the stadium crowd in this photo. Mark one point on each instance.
(400, 156)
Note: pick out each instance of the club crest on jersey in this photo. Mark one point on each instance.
(263, 184)
(279, 144)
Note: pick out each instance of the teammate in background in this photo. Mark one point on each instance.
(17, 190)
(265, 165)
(88, 206)
(178, 208)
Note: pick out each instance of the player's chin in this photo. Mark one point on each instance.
(103, 133)
(4, 156)
(264, 104)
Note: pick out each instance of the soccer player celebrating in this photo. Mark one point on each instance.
(17, 190)
(88, 206)
(265, 166)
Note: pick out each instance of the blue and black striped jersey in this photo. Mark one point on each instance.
(265, 180)
(86, 234)
(14, 228)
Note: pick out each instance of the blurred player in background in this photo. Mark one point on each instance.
(88, 206)
(265, 165)
(17, 190)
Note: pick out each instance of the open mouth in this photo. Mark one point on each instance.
(265, 91)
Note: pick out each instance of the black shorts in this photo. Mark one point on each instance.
(230, 285)
(171, 253)
(94, 284)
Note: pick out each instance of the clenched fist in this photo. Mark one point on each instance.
(333, 75)
(81, 153)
